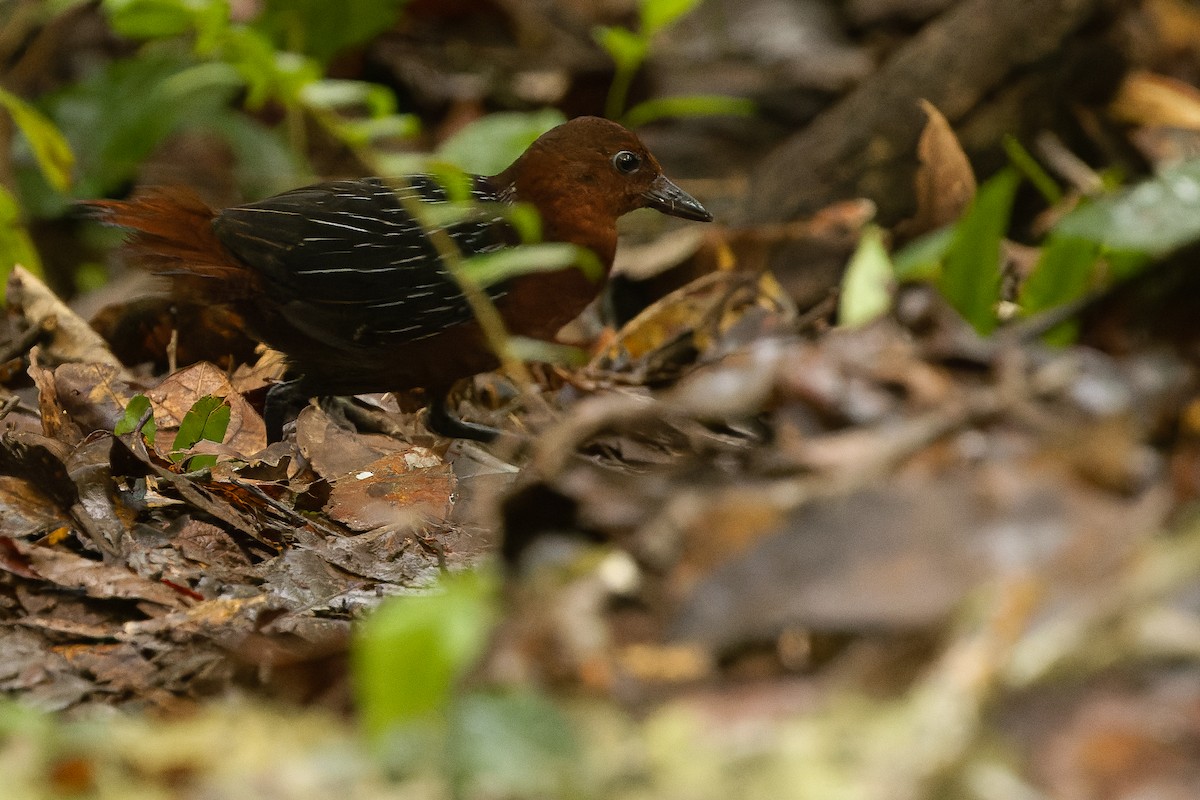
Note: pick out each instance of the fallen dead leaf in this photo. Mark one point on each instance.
(945, 182)
(174, 397)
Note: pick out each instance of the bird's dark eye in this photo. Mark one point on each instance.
(627, 162)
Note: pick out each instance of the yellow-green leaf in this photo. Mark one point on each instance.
(867, 287)
(49, 147)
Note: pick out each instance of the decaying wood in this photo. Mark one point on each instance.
(865, 145)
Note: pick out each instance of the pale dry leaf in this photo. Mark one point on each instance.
(945, 182)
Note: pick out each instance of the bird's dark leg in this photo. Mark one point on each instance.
(284, 401)
(443, 423)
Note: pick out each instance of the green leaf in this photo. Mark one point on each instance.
(488, 145)
(137, 408)
(150, 19)
(658, 14)
(189, 81)
(269, 74)
(627, 49)
(1029, 167)
(328, 93)
(16, 247)
(921, 259)
(490, 268)
(457, 184)
(695, 105)
(369, 132)
(515, 744)
(970, 278)
(263, 162)
(1124, 264)
(867, 286)
(119, 114)
(50, 148)
(523, 348)
(410, 653)
(1155, 217)
(206, 420)
(322, 29)
(526, 220)
(1062, 274)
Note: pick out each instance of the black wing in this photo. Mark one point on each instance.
(348, 259)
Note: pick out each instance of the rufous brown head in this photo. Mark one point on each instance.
(594, 166)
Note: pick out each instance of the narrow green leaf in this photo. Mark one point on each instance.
(524, 217)
(178, 88)
(373, 130)
(658, 14)
(695, 105)
(490, 268)
(137, 408)
(457, 185)
(970, 278)
(1028, 166)
(867, 286)
(1063, 273)
(409, 654)
(50, 148)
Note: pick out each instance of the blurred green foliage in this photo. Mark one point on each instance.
(970, 274)
(412, 651)
(1101, 241)
(410, 660)
(866, 287)
(198, 68)
(629, 49)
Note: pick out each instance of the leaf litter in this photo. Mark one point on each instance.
(897, 560)
(786, 505)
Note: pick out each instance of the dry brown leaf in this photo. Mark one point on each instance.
(171, 399)
(56, 423)
(1176, 22)
(95, 395)
(693, 319)
(334, 450)
(945, 182)
(400, 490)
(1157, 101)
(94, 578)
(71, 339)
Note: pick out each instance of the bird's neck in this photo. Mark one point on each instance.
(568, 213)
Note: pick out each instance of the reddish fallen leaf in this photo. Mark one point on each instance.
(402, 490)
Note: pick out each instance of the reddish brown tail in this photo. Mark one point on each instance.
(170, 233)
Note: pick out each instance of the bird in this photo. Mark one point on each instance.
(347, 280)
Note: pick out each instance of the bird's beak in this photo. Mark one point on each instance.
(665, 196)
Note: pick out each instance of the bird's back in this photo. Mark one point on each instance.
(359, 258)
